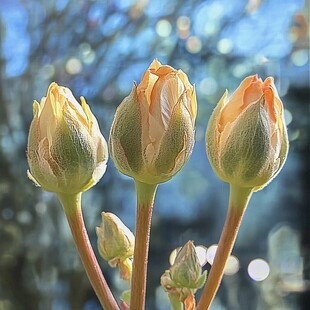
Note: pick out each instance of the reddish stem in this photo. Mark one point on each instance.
(145, 199)
(72, 206)
(239, 198)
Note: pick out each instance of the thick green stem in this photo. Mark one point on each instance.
(145, 200)
(72, 207)
(175, 302)
(238, 201)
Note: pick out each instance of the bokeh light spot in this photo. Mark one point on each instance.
(173, 255)
(239, 70)
(300, 58)
(193, 45)
(294, 135)
(86, 53)
(24, 217)
(211, 253)
(183, 26)
(73, 66)
(201, 252)
(41, 208)
(232, 265)
(258, 269)
(183, 23)
(163, 28)
(288, 117)
(224, 46)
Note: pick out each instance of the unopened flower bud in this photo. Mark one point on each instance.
(246, 138)
(125, 300)
(184, 277)
(186, 269)
(116, 243)
(152, 135)
(66, 151)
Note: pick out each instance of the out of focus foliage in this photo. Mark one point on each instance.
(98, 48)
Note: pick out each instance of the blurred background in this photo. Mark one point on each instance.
(97, 49)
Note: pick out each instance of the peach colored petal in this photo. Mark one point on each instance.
(274, 89)
(42, 103)
(146, 85)
(193, 104)
(252, 94)
(268, 81)
(183, 78)
(74, 110)
(155, 64)
(46, 119)
(46, 102)
(269, 100)
(235, 103)
(165, 70)
(241, 88)
(189, 100)
(145, 81)
(278, 105)
(165, 94)
(280, 115)
(36, 109)
(146, 123)
(91, 120)
(156, 129)
(67, 96)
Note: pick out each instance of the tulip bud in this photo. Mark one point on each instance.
(66, 151)
(246, 138)
(152, 135)
(116, 243)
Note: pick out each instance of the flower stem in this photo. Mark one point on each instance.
(145, 200)
(175, 302)
(238, 201)
(72, 207)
